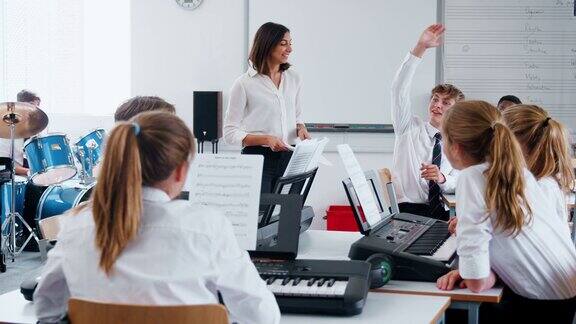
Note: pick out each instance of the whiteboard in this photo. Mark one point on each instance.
(347, 53)
(526, 48)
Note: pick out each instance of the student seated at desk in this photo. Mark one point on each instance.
(140, 104)
(508, 101)
(132, 243)
(421, 172)
(545, 146)
(504, 224)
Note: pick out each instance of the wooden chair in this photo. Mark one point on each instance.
(49, 227)
(385, 177)
(87, 312)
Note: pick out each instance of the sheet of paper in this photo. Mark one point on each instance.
(231, 184)
(306, 156)
(360, 184)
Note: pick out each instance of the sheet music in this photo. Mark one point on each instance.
(231, 184)
(306, 156)
(526, 48)
(363, 191)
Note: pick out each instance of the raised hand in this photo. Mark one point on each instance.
(431, 37)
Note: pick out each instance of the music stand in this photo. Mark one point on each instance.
(297, 184)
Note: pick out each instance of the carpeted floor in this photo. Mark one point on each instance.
(26, 265)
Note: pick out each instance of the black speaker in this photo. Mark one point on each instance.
(207, 115)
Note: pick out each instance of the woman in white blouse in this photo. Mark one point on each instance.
(506, 227)
(132, 243)
(264, 111)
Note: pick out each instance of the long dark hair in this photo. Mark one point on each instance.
(266, 39)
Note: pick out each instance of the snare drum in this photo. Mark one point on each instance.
(50, 159)
(60, 198)
(6, 196)
(89, 150)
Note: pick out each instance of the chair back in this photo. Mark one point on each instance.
(87, 312)
(49, 227)
(385, 177)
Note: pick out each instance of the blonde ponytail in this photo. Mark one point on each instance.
(544, 142)
(117, 203)
(142, 152)
(478, 128)
(505, 181)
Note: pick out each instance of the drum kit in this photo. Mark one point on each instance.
(52, 165)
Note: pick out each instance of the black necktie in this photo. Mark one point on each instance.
(435, 202)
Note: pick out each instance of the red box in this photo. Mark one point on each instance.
(341, 218)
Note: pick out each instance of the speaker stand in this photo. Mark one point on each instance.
(201, 146)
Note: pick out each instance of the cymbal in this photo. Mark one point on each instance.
(28, 119)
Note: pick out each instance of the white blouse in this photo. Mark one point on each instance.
(414, 141)
(538, 263)
(257, 107)
(183, 255)
(551, 188)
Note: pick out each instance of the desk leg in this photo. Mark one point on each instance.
(473, 309)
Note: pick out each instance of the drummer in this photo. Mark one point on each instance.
(139, 104)
(30, 97)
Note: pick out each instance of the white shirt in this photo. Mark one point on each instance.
(18, 149)
(552, 190)
(538, 263)
(257, 107)
(414, 142)
(183, 255)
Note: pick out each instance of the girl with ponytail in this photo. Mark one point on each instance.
(504, 227)
(133, 243)
(545, 146)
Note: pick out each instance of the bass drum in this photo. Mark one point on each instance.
(58, 199)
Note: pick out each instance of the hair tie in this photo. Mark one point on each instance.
(136, 128)
(546, 121)
(493, 125)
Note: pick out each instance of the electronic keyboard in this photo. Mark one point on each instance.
(316, 286)
(421, 248)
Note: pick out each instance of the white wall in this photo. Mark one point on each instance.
(175, 52)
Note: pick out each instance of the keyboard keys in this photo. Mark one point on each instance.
(307, 287)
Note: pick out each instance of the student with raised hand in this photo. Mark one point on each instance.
(544, 143)
(421, 171)
(132, 243)
(264, 113)
(504, 226)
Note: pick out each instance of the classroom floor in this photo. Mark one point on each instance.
(26, 265)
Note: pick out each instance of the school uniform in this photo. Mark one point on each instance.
(183, 255)
(414, 145)
(537, 266)
(258, 107)
(552, 190)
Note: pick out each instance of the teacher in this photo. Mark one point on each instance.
(264, 111)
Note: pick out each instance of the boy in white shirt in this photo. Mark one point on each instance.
(421, 171)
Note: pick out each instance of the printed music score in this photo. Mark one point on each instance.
(361, 186)
(525, 48)
(231, 184)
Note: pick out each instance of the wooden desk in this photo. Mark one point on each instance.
(334, 245)
(379, 308)
(385, 308)
(15, 309)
